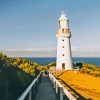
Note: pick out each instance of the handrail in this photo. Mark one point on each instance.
(28, 90)
(63, 89)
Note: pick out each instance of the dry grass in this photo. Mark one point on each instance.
(86, 85)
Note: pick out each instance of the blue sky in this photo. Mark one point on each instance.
(28, 27)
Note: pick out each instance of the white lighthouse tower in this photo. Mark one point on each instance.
(64, 56)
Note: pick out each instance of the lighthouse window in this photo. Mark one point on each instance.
(62, 46)
(63, 30)
(63, 55)
(63, 40)
(59, 24)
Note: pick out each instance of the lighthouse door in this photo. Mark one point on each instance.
(63, 66)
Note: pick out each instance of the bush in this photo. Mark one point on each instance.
(96, 74)
(90, 69)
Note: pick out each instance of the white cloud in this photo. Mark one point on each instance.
(30, 49)
(86, 51)
(51, 52)
(31, 52)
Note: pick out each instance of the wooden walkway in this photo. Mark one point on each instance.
(45, 90)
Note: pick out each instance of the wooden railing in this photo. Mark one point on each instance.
(30, 91)
(60, 89)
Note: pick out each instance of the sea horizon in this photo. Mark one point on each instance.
(46, 60)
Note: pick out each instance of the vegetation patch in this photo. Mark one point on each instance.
(89, 69)
(16, 74)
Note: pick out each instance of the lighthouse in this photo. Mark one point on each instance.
(64, 55)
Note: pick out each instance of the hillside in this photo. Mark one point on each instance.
(15, 75)
(85, 82)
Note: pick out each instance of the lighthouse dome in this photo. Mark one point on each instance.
(63, 16)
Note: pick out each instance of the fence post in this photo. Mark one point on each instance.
(34, 88)
(54, 84)
(30, 95)
(61, 94)
(56, 88)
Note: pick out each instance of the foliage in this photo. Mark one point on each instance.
(16, 74)
(79, 64)
(46, 67)
(13, 80)
(3, 56)
(89, 69)
(53, 64)
(24, 64)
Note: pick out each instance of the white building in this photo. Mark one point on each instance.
(64, 56)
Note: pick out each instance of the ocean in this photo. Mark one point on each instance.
(45, 60)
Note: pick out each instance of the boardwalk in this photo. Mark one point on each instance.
(45, 90)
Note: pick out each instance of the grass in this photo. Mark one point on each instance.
(85, 82)
(86, 85)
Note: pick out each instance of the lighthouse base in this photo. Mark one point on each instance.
(64, 57)
(63, 66)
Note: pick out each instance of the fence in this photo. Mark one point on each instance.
(30, 91)
(60, 89)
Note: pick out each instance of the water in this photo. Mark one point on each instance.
(42, 61)
(95, 61)
(45, 61)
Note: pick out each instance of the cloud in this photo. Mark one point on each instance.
(31, 49)
(86, 51)
(51, 52)
(32, 52)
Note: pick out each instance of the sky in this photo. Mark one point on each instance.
(28, 27)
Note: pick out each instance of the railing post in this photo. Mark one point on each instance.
(39, 79)
(65, 97)
(52, 81)
(61, 94)
(28, 91)
(56, 89)
(61, 91)
(34, 88)
(30, 95)
(54, 84)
